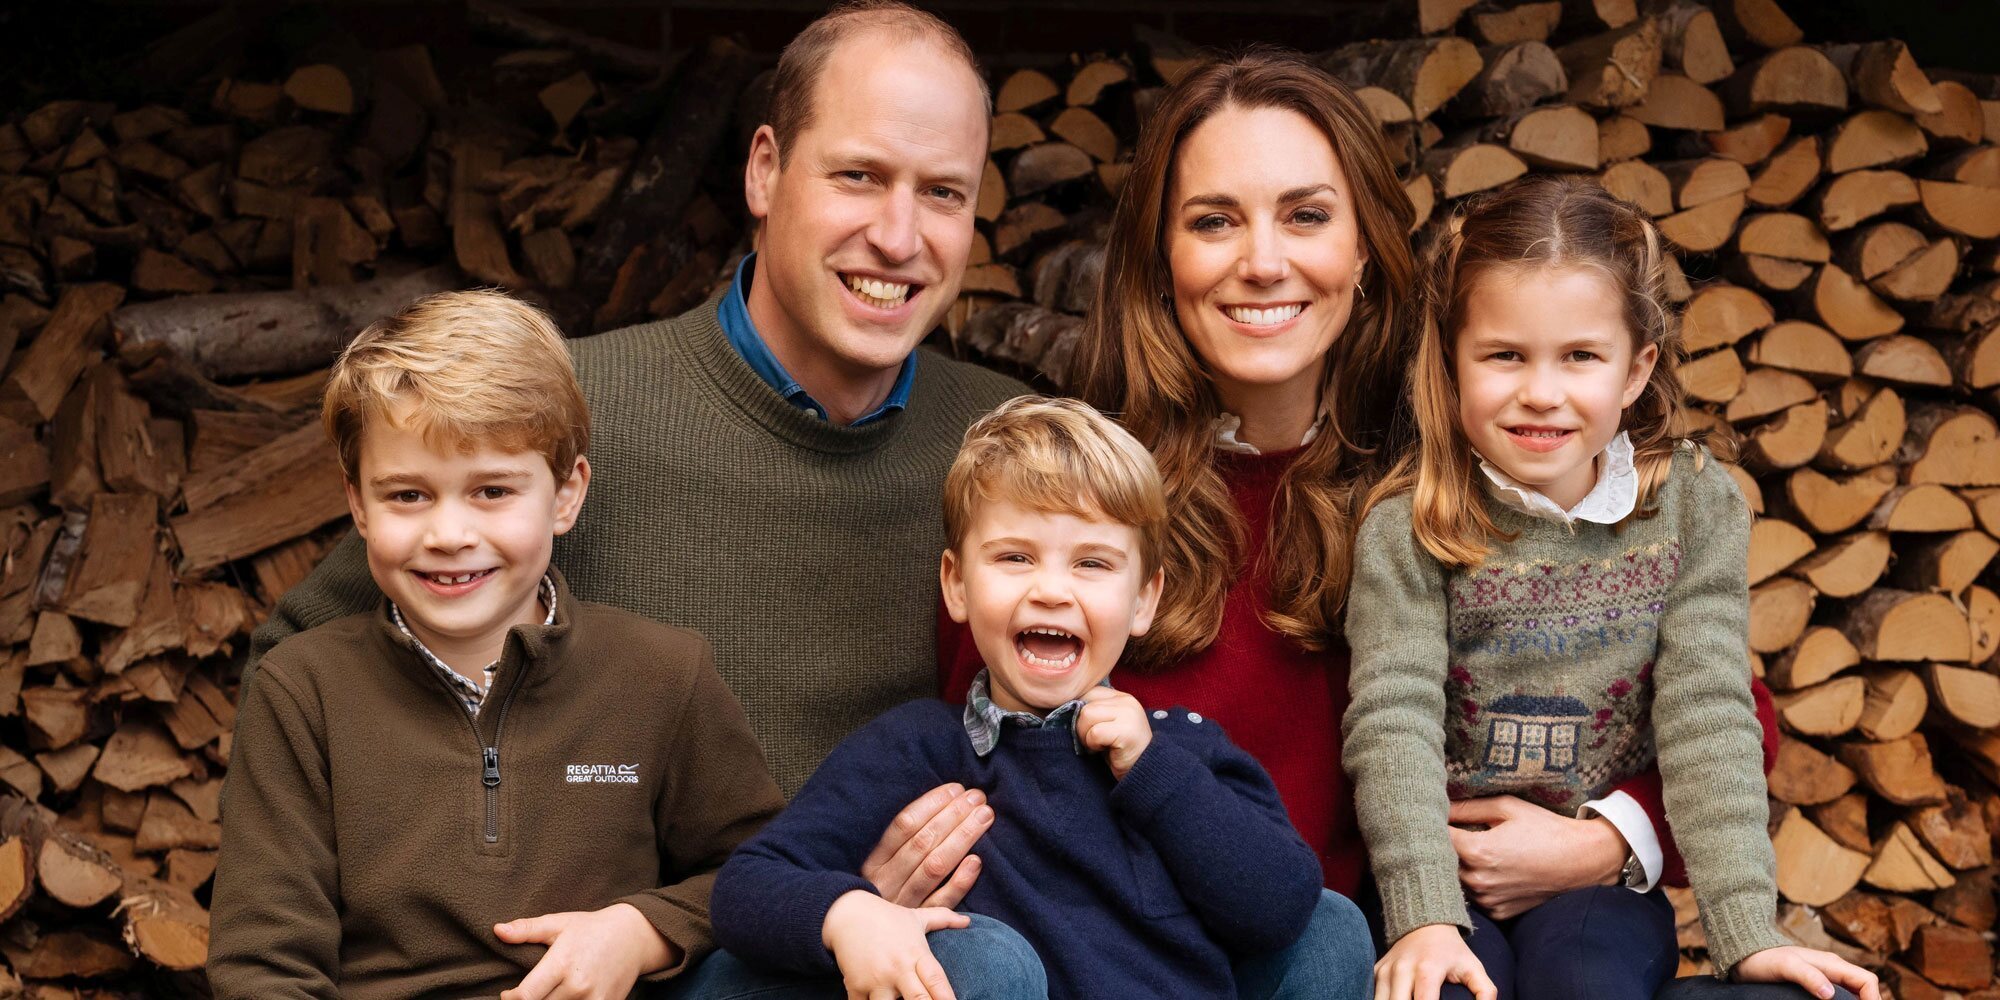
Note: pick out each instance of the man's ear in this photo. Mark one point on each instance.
(354, 507)
(951, 580)
(1149, 602)
(569, 495)
(760, 172)
(1642, 370)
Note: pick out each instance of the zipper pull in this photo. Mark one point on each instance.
(491, 777)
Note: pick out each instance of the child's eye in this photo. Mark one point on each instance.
(1505, 356)
(1581, 355)
(1093, 564)
(406, 496)
(494, 492)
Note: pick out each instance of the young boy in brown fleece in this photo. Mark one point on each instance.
(484, 785)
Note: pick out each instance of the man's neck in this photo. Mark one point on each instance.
(846, 393)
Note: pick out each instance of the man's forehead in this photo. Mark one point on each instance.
(877, 75)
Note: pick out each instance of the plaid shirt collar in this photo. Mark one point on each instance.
(469, 691)
(984, 720)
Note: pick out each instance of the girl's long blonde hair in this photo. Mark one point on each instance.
(1541, 222)
(1136, 363)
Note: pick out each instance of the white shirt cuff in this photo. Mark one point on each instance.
(1636, 827)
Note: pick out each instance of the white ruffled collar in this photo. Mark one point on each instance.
(1610, 501)
(1226, 426)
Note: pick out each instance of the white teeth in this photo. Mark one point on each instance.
(882, 294)
(1541, 434)
(1264, 317)
(449, 580)
(1038, 661)
(1059, 633)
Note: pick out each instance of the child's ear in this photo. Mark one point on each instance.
(569, 495)
(952, 581)
(354, 508)
(1642, 371)
(1149, 602)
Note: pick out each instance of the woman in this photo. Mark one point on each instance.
(1251, 331)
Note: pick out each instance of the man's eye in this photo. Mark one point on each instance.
(943, 193)
(857, 176)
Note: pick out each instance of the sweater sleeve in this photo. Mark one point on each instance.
(771, 898)
(1220, 828)
(719, 794)
(1705, 724)
(276, 921)
(1645, 788)
(1393, 733)
(339, 586)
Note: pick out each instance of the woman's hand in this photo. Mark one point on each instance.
(1422, 961)
(1817, 971)
(1527, 854)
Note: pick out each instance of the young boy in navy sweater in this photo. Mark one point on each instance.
(1138, 852)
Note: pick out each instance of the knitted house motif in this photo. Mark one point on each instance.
(1532, 738)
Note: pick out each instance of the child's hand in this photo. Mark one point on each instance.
(1815, 970)
(1418, 966)
(1114, 722)
(592, 956)
(881, 950)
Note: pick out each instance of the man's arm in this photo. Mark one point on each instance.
(339, 586)
(1217, 821)
(276, 921)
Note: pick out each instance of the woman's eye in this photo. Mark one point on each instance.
(1311, 217)
(1209, 224)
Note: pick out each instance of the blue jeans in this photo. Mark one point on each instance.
(990, 961)
(1711, 988)
(1600, 943)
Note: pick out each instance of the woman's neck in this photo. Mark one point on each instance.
(1274, 417)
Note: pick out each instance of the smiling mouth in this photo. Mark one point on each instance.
(1265, 316)
(450, 583)
(877, 292)
(1540, 438)
(1048, 648)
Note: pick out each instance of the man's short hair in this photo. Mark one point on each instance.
(462, 369)
(1057, 456)
(805, 58)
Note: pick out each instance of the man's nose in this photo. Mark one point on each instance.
(894, 234)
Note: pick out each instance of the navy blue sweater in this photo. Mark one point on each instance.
(1145, 887)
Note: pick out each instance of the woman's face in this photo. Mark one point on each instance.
(1264, 248)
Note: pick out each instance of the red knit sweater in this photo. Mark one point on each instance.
(1282, 704)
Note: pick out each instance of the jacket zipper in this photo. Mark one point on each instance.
(489, 774)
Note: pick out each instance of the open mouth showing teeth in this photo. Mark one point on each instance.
(454, 579)
(878, 293)
(1264, 317)
(1544, 433)
(1048, 648)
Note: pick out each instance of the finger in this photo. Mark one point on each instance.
(1401, 977)
(908, 822)
(532, 930)
(1427, 983)
(930, 855)
(1807, 975)
(932, 976)
(937, 918)
(1487, 811)
(1462, 842)
(540, 982)
(1857, 979)
(1381, 980)
(882, 993)
(952, 893)
(1475, 979)
(1097, 694)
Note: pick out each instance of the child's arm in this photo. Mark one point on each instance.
(1215, 818)
(1393, 732)
(771, 900)
(275, 920)
(1704, 724)
(717, 794)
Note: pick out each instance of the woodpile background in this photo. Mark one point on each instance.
(175, 276)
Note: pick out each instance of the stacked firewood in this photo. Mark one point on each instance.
(174, 277)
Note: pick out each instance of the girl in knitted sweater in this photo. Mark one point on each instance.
(1548, 594)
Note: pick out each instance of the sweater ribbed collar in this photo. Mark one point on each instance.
(707, 349)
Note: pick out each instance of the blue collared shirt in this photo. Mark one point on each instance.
(734, 312)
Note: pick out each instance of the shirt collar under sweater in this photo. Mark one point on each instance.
(734, 314)
(1610, 501)
(472, 692)
(984, 720)
(1228, 424)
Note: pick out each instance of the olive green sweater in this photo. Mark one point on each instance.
(806, 552)
(374, 831)
(1552, 671)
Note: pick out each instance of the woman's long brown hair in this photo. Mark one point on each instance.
(1537, 223)
(1137, 364)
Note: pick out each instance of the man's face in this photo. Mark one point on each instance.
(868, 222)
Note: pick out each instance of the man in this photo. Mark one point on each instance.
(773, 458)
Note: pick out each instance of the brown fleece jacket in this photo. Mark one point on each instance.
(374, 832)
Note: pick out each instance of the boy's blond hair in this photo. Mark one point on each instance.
(461, 368)
(1057, 456)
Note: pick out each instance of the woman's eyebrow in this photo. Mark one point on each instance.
(1306, 191)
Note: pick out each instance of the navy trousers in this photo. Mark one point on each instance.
(1600, 943)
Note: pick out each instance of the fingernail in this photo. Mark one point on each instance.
(984, 814)
(975, 796)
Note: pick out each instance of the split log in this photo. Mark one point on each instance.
(1459, 170)
(1529, 22)
(1425, 72)
(1553, 138)
(1969, 210)
(1641, 184)
(1959, 121)
(1871, 437)
(1898, 771)
(1751, 142)
(1846, 306)
(1902, 626)
(1923, 276)
(1790, 80)
(1948, 564)
(1791, 440)
(1622, 137)
(1513, 79)
(43, 373)
(1901, 864)
(1921, 507)
(1024, 90)
(1676, 102)
(1096, 77)
(1812, 869)
(1716, 377)
(1788, 174)
(276, 493)
(1761, 23)
(1894, 704)
(1706, 228)
(1848, 566)
(1612, 70)
(1775, 545)
(1953, 446)
(1965, 696)
(1723, 314)
(1884, 75)
(1804, 776)
(1692, 42)
(1805, 348)
(1766, 391)
(1819, 654)
(1953, 957)
(1874, 139)
(1831, 708)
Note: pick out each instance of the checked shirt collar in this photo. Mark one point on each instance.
(984, 720)
(469, 691)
